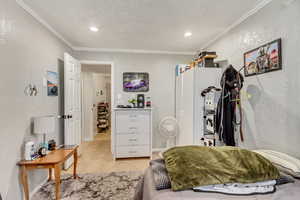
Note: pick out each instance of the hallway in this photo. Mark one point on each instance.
(96, 157)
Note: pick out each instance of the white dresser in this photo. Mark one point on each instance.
(132, 133)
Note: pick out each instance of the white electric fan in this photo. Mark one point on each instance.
(169, 129)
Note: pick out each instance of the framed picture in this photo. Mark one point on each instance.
(52, 83)
(135, 82)
(265, 58)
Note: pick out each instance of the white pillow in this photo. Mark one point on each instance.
(281, 159)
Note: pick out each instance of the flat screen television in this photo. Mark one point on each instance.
(135, 82)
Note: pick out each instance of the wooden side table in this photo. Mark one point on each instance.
(53, 160)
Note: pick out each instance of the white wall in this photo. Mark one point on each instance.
(100, 85)
(28, 53)
(161, 69)
(272, 113)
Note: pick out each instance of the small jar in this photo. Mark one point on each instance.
(148, 102)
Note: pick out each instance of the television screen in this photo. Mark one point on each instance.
(135, 82)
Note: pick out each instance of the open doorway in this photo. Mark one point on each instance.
(96, 101)
(97, 79)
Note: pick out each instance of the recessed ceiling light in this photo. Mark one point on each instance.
(188, 34)
(94, 29)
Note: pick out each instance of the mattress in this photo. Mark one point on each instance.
(288, 191)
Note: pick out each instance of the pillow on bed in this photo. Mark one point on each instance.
(160, 174)
(283, 162)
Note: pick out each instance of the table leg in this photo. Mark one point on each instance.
(57, 171)
(75, 164)
(50, 174)
(25, 182)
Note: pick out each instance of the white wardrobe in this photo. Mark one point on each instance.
(189, 103)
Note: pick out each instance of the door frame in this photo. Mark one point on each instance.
(97, 62)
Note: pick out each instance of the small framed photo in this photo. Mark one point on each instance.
(265, 58)
(52, 83)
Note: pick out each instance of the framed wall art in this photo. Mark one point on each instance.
(265, 58)
(52, 83)
(135, 82)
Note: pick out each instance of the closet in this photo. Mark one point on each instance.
(190, 82)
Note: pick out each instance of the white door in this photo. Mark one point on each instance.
(178, 99)
(186, 111)
(88, 93)
(72, 87)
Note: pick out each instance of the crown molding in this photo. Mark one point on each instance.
(257, 8)
(27, 8)
(95, 62)
(140, 51)
(35, 15)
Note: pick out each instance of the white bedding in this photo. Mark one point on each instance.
(239, 188)
(147, 191)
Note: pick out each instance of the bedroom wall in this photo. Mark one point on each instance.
(100, 85)
(29, 51)
(161, 69)
(271, 115)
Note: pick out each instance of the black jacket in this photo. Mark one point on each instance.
(231, 83)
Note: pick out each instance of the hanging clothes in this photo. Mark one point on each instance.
(231, 83)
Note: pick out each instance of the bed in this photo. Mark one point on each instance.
(146, 190)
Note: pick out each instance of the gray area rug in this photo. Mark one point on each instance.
(112, 186)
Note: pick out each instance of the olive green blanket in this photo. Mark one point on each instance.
(192, 166)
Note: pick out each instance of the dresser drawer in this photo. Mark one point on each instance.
(133, 151)
(132, 122)
(133, 139)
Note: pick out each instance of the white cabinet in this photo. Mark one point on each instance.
(189, 103)
(132, 135)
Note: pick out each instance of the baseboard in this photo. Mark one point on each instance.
(37, 188)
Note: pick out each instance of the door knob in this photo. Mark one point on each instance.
(67, 116)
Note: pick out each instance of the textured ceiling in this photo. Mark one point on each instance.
(141, 24)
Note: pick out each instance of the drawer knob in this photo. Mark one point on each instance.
(133, 140)
(132, 151)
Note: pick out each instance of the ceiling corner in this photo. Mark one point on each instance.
(243, 18)
(30, 11)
